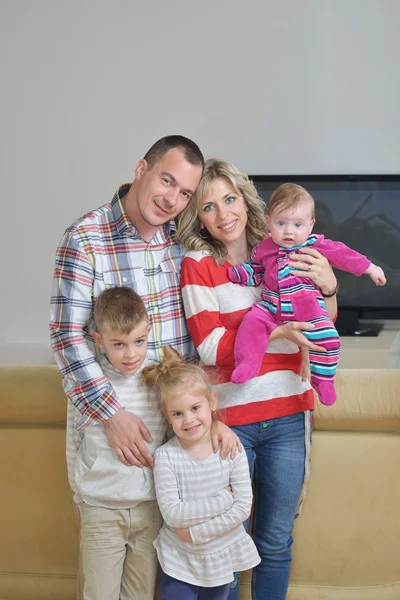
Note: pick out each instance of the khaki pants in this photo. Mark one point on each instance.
(117, 554)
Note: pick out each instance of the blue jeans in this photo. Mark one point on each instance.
(276, 452)
(173, 589)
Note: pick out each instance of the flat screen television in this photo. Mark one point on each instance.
(362, 211)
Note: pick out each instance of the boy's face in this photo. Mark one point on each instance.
(125, 351)
(291, 227)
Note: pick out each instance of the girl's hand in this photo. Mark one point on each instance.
(229, 489)
(221, 434)
(310, 263)
(292, 332)
(184, 534)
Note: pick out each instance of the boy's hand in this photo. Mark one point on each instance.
(184, 534)
(376, 274)
(305, 364)
(126, 432)
(230, 442)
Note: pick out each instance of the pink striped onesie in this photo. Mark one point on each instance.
(285, 297)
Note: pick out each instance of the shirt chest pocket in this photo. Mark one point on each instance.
(170, 273)
(133, 278)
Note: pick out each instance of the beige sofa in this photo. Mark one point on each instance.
(347, 540)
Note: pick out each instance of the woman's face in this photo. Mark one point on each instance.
(224, 213)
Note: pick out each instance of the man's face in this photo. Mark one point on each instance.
(162, 192)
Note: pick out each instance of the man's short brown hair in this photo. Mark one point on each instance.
(119, 308)
(189, 149)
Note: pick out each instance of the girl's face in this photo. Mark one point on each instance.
(223, 213)
(291, 227)
(190, 415)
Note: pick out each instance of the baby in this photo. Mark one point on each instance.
(284, 297)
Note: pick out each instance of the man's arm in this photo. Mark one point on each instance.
(84, 381)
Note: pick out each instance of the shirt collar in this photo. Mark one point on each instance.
(123, 222)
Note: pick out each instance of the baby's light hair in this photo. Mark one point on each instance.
(120, 309)
(287, 196)
(173, 374)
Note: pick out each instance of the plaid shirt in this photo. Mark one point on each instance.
(101, 250)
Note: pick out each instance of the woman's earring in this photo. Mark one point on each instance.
(203, 237)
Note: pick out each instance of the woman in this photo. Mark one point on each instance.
(271, 412)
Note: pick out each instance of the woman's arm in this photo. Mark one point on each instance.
(320, 272)
(213, 341)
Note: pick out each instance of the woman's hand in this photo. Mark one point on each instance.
(305, 363)
(230, 442)
(292, 331)
(310, 263)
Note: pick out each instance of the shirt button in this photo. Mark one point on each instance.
(124, 279)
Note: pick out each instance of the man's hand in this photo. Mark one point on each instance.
(184, 534)
(126, 433)
(221, 434)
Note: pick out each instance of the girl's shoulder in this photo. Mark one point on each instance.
(168, 449)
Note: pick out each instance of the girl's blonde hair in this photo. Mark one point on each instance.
(288, 196)
(173, 374)
(189, 230)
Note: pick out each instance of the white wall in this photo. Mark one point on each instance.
(296, 86)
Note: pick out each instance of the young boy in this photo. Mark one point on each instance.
(118, 511)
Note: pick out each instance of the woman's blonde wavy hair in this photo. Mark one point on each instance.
(172, 374)
(189, 230)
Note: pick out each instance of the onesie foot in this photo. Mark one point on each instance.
(325, 390)
(242, 373)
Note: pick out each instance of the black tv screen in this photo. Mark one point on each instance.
(364, 213)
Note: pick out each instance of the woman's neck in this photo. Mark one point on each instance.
(237, 252)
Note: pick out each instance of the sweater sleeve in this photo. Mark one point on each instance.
(237, 513)
(176, 512)
(342, 257)
(214, 343)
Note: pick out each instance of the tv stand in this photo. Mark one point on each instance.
(364, 330)
(381, 351)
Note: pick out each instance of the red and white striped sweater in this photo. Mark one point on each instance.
(214, 308)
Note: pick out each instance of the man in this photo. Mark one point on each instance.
(130, 242)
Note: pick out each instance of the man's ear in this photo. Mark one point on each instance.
(97, 339)
(141, 168)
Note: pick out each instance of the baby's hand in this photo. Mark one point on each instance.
(376, 274)
(233, 275)
(305, 363)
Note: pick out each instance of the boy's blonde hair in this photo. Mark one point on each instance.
(120, 309)
(287, 196)
(173, 374)
(189, 231)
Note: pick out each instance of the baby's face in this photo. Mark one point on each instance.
(291, 227)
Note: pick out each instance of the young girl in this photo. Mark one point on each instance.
(285, 297)
(203, 499)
